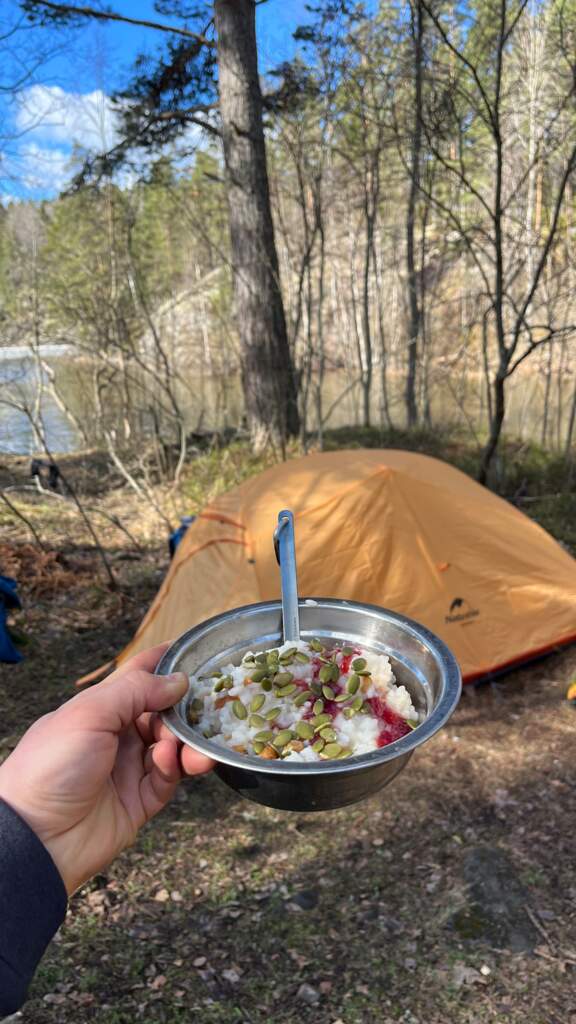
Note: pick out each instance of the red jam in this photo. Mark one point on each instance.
(392, 726)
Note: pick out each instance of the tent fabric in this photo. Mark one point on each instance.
(392, 528)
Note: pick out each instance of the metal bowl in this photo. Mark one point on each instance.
(420, 661)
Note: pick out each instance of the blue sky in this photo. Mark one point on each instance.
(65, 101)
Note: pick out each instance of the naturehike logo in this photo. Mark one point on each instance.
(460, 611)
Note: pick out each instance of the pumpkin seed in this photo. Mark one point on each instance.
(216, 672)
(282, 738)
(257, 702)
(347, 651)
(264, 736)
(209, 733)
(316, 646)
(259, 675)
(318, 707)
(349, 712)
(304, 730)
(319, 721)
(281, 678)
(353, 683)
(332, 750)
(325, 674)
(301, 657)
(256, 722)
(316, 688)
(272, 714)
(303, 697)
(412, 723)
(261, 658)
(197, 704)
(365, 673)
(329, 735)
(366, 709)
(345, 752)
(258, 747)
(239, 709)
(342, 697)
(266, 685)
(285, 691)
(358, 664)
(357, 702)
(289, 653)
(219, 686)
(328, 692)
(318, 746)
(335, 672)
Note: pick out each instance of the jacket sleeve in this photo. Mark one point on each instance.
(32, 906)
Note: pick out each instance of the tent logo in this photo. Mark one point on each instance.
(461, 611)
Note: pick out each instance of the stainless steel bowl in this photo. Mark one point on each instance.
(420, 661)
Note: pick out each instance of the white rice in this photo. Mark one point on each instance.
(354, 735)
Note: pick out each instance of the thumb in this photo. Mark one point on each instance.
(115, 704)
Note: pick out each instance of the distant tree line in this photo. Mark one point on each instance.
(409, 217)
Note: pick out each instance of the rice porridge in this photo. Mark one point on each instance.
(303, 701)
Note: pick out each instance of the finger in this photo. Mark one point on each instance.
(114, 705)
(195, 763)
(146, 725)
(165, 759)
(159, 783)
(146, 660)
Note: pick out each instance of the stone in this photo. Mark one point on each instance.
(307, 994)
(497, 900)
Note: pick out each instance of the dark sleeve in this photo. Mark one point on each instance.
(32, 906)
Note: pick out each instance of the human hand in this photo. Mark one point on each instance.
(87, 776)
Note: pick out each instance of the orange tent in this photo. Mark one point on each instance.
(392, 528)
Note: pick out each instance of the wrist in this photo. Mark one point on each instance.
(51, 847)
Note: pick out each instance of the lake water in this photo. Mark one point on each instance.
(211, 403)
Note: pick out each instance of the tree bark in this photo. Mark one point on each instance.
(417, 28)
(496, 424)
(267, 370)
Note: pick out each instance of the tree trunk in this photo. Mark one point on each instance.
(267, 370)
(414, 308)
(496, 424)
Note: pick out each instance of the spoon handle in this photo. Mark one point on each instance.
(286, 555)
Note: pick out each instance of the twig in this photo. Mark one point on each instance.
(540, 927)
(20, 515)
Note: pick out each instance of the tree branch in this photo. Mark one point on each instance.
(91, 12)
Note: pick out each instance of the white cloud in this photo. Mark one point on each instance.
(43, 169)
(52, 115)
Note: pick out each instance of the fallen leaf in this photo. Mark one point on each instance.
(158, 982)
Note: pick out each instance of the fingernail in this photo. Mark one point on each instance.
(177, 680)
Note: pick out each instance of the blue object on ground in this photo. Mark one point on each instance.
(179, 532)
(8, 599)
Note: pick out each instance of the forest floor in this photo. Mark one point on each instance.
(449, 897)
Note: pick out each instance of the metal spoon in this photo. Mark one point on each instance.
(286, 555)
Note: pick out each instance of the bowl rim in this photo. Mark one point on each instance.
(429, 727)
